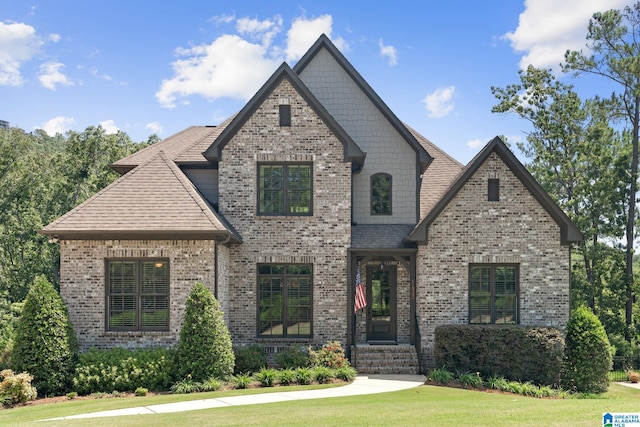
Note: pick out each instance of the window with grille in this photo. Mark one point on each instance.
(138, 295)
(493, 294)
(284, 300)
(285, 189)
(381, 194)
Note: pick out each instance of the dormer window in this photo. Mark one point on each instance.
(285, 115)
(381, 194)
(493, 190)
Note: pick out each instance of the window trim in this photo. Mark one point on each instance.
(493, 267)
(138, 294)
(284, 306)
(371, 198)
(285, 204)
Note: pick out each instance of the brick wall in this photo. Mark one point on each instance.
(83, 288)
(471, 229)
(321, 240)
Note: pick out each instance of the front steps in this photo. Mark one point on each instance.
(385, 359)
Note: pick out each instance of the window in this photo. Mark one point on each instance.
(138, 295)
(381, 194)
(284, 300)
(493, 190)
(493, 294)
(285, 115)
(284, 189)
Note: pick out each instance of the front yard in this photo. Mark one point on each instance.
(425, 405)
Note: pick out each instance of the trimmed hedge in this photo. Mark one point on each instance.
(518, 353)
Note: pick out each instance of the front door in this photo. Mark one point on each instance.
(381, 307)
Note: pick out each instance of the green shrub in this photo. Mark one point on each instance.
(287, 376)
(346, 373)
(16, 388)
(186, 386)
(515, 352)
(267, 377)
(205, 347)
(45, 344)
(249, 359)
(440, 375)
(588, 357)
(9, 314)
(124, 370)
(72, 395)
(323, 374)
(141, 391)
(470, 380)
(304, 376)
(242, 381)
(331, 355)
(212, 384)
(497, 383)
(295, 356)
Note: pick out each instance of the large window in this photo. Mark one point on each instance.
(284, 189)
(284, 300)
(381, 194)
(493, 293)
(138, 295)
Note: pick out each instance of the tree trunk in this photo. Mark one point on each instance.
(630, 232)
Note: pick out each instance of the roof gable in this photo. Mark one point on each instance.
(323, 42)
(352, 152)
(154, 201)
(568, 231)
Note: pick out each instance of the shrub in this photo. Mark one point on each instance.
(293, 357)
(588, 357)
(323, 374)
(515, 352)
(45, 344)
(72, 395)
(331, 355)
(287, 376)
(242, 381)
(470, 380)
(9, 314)
(16, 388)
(304, 376)
(249, 359)
(267, 377)
(440, 375)
(346, 373)
(212, 384)
(185, 386)
(633, 376)
(124, 370)
(205, 347)
(141, 391)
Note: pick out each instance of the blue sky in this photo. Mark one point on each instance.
(159, 67)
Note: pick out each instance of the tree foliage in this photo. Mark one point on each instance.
(45, 344)
(205, 348)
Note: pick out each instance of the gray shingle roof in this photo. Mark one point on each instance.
(154, 200)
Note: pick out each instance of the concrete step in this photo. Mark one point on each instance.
(385, 359)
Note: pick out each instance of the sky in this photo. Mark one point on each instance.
(158, 67)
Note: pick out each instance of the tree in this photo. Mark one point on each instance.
(45, 343)
(613, 39)
(587, 353)
(205, 348)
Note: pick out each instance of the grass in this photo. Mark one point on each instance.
(426, 405)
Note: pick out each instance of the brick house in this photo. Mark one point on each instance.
(278, 210)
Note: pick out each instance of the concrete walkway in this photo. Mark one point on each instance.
(371, 384)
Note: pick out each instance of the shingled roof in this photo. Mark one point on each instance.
(153, 201)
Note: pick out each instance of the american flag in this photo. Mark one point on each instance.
(361, 299)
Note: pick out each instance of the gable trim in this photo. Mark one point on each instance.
(569, 233)
(352, 153)
(424, 158)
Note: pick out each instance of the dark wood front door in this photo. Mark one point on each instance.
(381, 307)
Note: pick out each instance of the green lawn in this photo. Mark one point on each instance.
(426, 405)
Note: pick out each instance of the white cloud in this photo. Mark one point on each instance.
(547, 28)
(263, 31)
(50, 75)
(154, 127)
(57, 125)
(222, 19)
(109, 127)
(18, 43)
(476, 143)
(228, 67)
(54, 37)
(439, 103)
(304, 32)
(389, 52)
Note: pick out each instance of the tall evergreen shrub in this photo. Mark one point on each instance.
(587, 353)
(45, 344)
(205, 349)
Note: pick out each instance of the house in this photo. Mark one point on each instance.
(279, 210)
